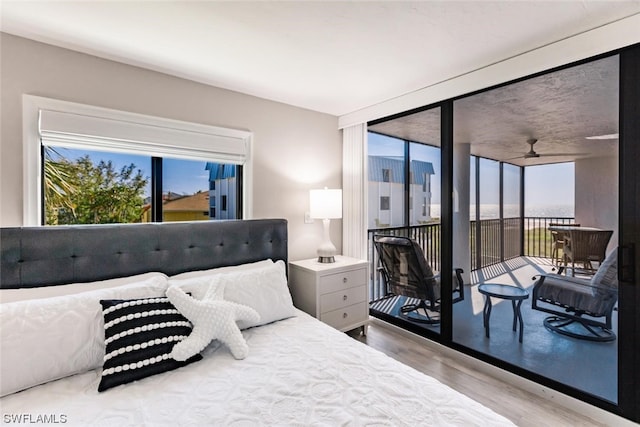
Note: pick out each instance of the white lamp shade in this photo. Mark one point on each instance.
(325, 204)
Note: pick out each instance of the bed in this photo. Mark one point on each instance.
(60, 284)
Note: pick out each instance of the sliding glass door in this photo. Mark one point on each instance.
(530, 165)
(525, 141)
(405, 179)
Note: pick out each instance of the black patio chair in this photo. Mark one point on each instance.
(581, 308)
(406, 272)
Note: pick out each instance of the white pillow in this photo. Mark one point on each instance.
(12, 295)
(219, 270)
(50, 338)
(264, 289)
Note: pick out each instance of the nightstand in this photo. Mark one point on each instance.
(335, 293)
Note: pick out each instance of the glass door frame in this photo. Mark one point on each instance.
(629, 236)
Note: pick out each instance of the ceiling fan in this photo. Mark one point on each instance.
(531, 154)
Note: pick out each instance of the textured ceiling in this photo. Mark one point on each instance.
(559, 109)
(329, 56)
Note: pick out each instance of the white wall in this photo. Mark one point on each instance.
(596, 197)
(461, 212)
(294, 149)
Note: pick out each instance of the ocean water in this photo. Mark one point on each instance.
(492, 211)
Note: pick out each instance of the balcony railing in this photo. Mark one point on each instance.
(491, 241)
(537, 237)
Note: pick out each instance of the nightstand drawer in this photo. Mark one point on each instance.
(347, 279)
(346, 316)
(343, 298)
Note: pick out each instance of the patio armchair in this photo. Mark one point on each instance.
(584, 248)
(406, 272)
(581, 308)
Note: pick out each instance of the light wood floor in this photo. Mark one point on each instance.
(521, 407)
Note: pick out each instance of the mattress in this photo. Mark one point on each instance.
(299, 371)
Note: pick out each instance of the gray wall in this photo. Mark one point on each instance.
(294, 149)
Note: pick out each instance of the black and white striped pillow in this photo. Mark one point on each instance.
(139, 337)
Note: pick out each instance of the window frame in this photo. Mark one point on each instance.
(385, 203)
(386, 175)
(32, 147)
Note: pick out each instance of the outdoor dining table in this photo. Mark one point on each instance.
(567, 228)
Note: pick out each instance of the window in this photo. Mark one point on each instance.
(386, 175)
(384, 203)
(97, 187)
(155, 156)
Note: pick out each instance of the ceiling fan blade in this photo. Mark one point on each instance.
(563, 154)
(522, 157)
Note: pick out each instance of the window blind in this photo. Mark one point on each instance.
(160, 138)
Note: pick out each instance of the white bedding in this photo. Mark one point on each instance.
(298, 372)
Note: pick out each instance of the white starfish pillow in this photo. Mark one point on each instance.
(212, 318)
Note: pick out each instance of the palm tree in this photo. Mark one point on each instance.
(59, 184)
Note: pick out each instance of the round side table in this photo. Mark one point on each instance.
(514, 294)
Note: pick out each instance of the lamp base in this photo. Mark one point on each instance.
(327, 250)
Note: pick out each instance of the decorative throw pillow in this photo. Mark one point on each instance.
(139, 337)
(213, 318)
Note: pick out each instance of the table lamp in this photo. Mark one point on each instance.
(325, 204)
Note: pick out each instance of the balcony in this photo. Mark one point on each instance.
(485, 243)
(509, 251)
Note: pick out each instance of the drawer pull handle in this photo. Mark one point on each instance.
(344, 280)
(344, 298)
(344, 315)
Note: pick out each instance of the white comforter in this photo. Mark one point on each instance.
(298, 372)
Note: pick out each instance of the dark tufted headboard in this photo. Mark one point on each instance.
(42, 256)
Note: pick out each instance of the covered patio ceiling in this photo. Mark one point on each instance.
(559, 109)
